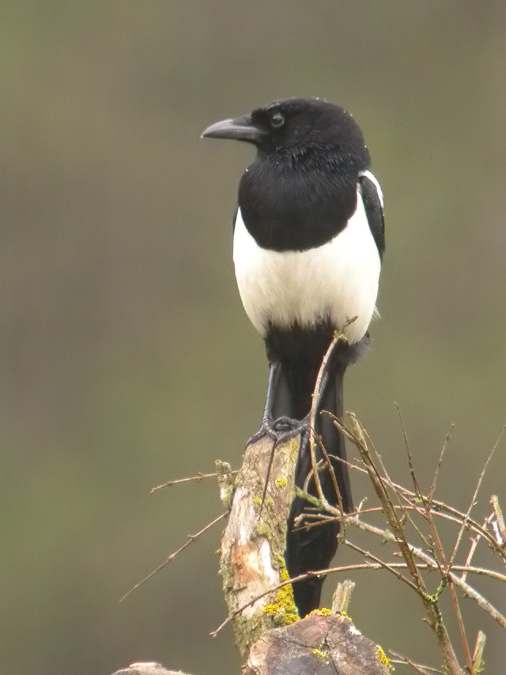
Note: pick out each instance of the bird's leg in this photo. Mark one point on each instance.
(266, 428)
(280, 428)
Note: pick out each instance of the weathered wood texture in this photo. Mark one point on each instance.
(320, 645)
(147, 669)
(253, 544)
(269, 634)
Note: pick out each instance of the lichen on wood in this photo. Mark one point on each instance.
(320, 645)
(254, 541)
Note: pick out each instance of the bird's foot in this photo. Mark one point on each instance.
(279, 430)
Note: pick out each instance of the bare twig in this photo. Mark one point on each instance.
(442, 454)
(191, 538)
(383, 564)
(402, 503)
(437, 504)
(406, 661)
(439, 555)
(190, 479)
(500, 527)
(409, 454)
(449, 563)
(474, 544)
(468, 590)
(358, 437)
(479, 648)
(470, 524)
(342, 596)
(339, 337)
(475, 495)
(330, 469)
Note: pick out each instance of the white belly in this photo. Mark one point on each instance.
(336, 281)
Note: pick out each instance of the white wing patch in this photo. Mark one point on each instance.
(336, 281)
(375, 181)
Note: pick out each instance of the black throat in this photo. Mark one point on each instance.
(294, 199)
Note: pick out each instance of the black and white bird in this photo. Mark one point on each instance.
(308, 245)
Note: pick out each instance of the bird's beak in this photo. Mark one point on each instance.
(239, 129)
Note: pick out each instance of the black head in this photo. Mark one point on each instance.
(294, 125)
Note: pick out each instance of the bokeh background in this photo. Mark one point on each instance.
(126, 356)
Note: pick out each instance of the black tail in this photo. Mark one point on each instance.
(299, 353)
(314, 548)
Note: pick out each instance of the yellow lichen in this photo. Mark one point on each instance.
(281, 482)
(345, 614)
(323, 611)
(283, 609)
(262, 529)
(280, 559)
(320, 654)
(382, 657)
(257, 501)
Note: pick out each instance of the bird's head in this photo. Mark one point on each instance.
(293, 125)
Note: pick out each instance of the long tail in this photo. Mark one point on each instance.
(314, 548)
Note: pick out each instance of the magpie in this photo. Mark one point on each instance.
(308, 243)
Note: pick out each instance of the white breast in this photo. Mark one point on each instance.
(336, 281)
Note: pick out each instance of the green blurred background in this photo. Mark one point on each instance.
(126, 356)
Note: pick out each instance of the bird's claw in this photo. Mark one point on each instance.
(279, 430)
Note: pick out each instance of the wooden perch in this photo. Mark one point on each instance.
(147, 669)
(253, 544)
(320, 645)
(267, 629)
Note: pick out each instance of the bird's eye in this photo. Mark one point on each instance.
(277, 120)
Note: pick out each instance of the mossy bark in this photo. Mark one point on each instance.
(320, 645)
(269, 634)
(254, 541)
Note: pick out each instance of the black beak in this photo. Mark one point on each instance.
(239, 129)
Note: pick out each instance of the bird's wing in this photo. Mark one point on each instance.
(372, 197)
(234, 217)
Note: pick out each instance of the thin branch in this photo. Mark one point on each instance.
(436, 503)
(384, 497)
(409, 454)
(338, 337)
(333, 478)
(406, 661)
(442, 454)
(379, 509)
(342, 596)
(469, 591)
(191, 538)
(500, 526)
(479, 648)
(190, 479)
(474, 544)
(429, 564)
(475, 495)
(439, 555)
(401, 501)
(382, 563)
